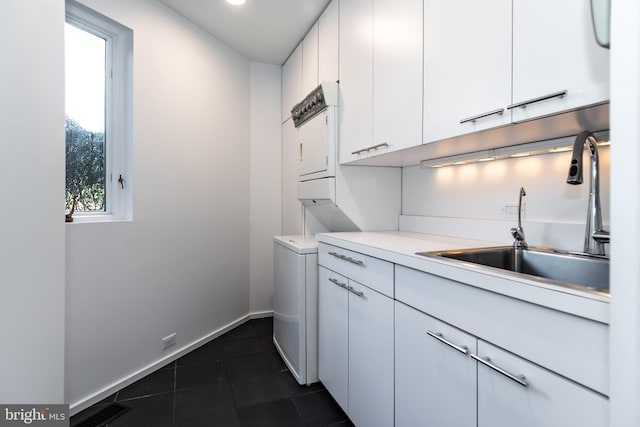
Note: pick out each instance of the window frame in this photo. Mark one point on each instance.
(118, 110)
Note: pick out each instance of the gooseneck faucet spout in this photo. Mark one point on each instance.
(518, 232)
(595, 237)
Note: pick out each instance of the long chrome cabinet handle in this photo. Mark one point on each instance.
(346, 258)
(353, 291)
(437, 335)
(483, 115)
(520, 379)
(342, 285)
(373, 147)
(523, 104)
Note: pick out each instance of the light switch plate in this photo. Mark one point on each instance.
(510, 210)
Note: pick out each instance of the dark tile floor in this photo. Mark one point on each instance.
(237, 379)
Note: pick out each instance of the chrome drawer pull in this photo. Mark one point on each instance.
(523, 104)
(520, 379)
(355, 261)
(373, 147)
(353, 291)
(346, 258)
(483, 115)
(437, 335)
(337, 255)
(342, 285)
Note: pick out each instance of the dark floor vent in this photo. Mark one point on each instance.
(103, 416)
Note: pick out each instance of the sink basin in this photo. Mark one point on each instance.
(585, 272)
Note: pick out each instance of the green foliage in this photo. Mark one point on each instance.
(85, 178)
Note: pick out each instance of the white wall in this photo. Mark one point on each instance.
(624, 341)
(479, 191)
(182, 264)
(265, 181)
(32, 194)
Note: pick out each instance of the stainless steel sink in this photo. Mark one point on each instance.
(585, 272)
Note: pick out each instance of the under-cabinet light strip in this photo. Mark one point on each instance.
(513, 151)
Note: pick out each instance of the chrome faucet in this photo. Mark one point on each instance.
(595, 237)
(518, 232)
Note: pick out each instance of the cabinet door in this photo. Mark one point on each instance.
(370, 357)
(310, 61)
(397, 74)
(328, 44)
(356, 77)
(435, 383)
(333, 334)
(547, 400)
(292, 82)
(291, 206)
(554, 50)
(467, 66)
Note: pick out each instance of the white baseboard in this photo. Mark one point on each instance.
(82, 404)
(261, 314)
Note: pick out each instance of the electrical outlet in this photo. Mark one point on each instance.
(168, 341)
(510, 210)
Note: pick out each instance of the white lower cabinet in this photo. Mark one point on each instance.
(540, 399)
(435, 378)
(370, 357)
(333, 335)
(446, 354)
(440, 382)
(356, 348)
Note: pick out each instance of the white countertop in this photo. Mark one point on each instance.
(400, 247)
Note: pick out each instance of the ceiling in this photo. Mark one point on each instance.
(262, 30)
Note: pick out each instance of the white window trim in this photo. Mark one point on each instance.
(118, 111)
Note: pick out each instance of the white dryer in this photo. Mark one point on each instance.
(295, 305)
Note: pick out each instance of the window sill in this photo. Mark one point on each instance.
(95, 219)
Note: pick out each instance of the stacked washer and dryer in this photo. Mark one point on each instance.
(295, 293)
(335, 198)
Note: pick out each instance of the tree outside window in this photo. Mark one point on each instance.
(85, 70)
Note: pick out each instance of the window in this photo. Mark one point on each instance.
(98, 115)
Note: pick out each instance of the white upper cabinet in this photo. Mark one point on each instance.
(467, 66)
(315, 60)
(497, 62)
(292, 82)
(555, 51)
(328, 44)
(310, 61)
(380, 76)
(397, 73)
(356, 77)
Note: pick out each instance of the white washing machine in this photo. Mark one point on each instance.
(295, 305)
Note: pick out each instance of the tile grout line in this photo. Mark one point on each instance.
(277, 370)
(175, 386)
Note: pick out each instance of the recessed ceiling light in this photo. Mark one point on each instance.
(236, 2)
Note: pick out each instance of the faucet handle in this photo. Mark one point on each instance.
(601, 236)
(518, 235)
